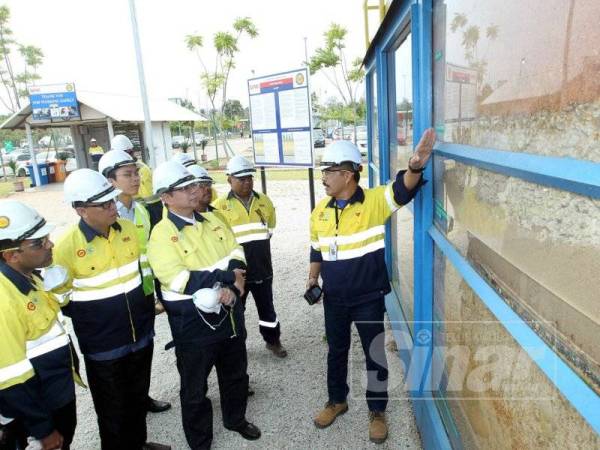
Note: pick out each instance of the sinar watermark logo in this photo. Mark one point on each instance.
(453, 360)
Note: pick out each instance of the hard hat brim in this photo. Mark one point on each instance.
(109, 196)
(243, 173)
(44, 231)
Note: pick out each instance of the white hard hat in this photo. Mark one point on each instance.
(170, 175)
(114, 159)
(200, 173)
(88, 186)
(121, 142)
(93, 140)
(238, 166)
(207, 300)
(19, 221)
(339, 152)
(184, 159)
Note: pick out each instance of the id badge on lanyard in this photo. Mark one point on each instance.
(333, 251)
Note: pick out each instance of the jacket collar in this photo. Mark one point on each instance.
(22, 283)
(91, 233)
(358, 196)
(180, 223)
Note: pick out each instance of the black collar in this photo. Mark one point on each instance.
(22, 283)
(91, 233)
(232, 195)
(358, 196)
(180, 223)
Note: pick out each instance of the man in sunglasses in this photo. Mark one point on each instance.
(36, 363)
(124, 174)
(201, 270)
(347, 251)
(112, 317)
(252, 217)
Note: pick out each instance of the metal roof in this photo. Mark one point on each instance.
(97, 106)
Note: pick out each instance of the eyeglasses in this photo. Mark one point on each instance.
(189, 188)
(104, 205)
(36, 244)
(330, 171)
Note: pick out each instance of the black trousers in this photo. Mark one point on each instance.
(195, 364)
(65, 420)
(119, 389)
(263, 297)
(368, 318)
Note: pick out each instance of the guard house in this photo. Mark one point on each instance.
(495, 266)
(104, 115)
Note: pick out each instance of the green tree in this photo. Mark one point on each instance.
(16, 83)
(215, 81)
(233, 110)
(331, 60)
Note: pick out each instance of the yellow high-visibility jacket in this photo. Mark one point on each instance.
(36, 366)
(253, 229)
(111, 315)
(186, 257)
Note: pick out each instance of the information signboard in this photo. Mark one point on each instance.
(280, 119)
(53, 102)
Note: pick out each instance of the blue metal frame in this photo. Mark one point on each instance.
(581, 396)
(580, 177)
(568, 174)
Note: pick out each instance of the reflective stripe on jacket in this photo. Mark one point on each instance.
(36, 370)
(253, 229)
(185, 258)
(111, 315)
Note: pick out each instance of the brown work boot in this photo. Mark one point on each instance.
(277, 349)
(328, 414)
(378, 430)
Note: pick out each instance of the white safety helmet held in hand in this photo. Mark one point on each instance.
(121, 142)
(238, 166)
(340, 152)
(207, 300)
(19, 221)
(200, 173)
(170, 175)
(54, 277)
(185, 159)
(88, 186)
(114, 159)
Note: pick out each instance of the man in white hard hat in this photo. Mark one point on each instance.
(187, 161)
(95, 151)
(252, 218)
(36, 365)
(112, 317)
(347, 251)
(123, 173)
(123, 143)
(201, 271)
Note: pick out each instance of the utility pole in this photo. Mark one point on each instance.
(311, 172)
(142, 81)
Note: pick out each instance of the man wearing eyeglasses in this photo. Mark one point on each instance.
(252, 217)
(201, 270)
(122, 172)
(112, 317)
(36, 363)
(347, 251)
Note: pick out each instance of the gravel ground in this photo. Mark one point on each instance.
(289, 391)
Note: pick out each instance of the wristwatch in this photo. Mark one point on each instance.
(419, 170)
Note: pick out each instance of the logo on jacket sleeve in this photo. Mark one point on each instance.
(174, 238)
(81, 253)
(31, 306)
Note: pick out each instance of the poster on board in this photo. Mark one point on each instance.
(53, 102)
(280, 119)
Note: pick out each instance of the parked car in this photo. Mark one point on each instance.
(45, 157)
(200, 139)
(318, 138)
(361, 138)
(177, 141)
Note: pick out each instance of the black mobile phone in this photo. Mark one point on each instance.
(313, 294)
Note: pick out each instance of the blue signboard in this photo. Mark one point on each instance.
(280, 119)
(54, 102)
